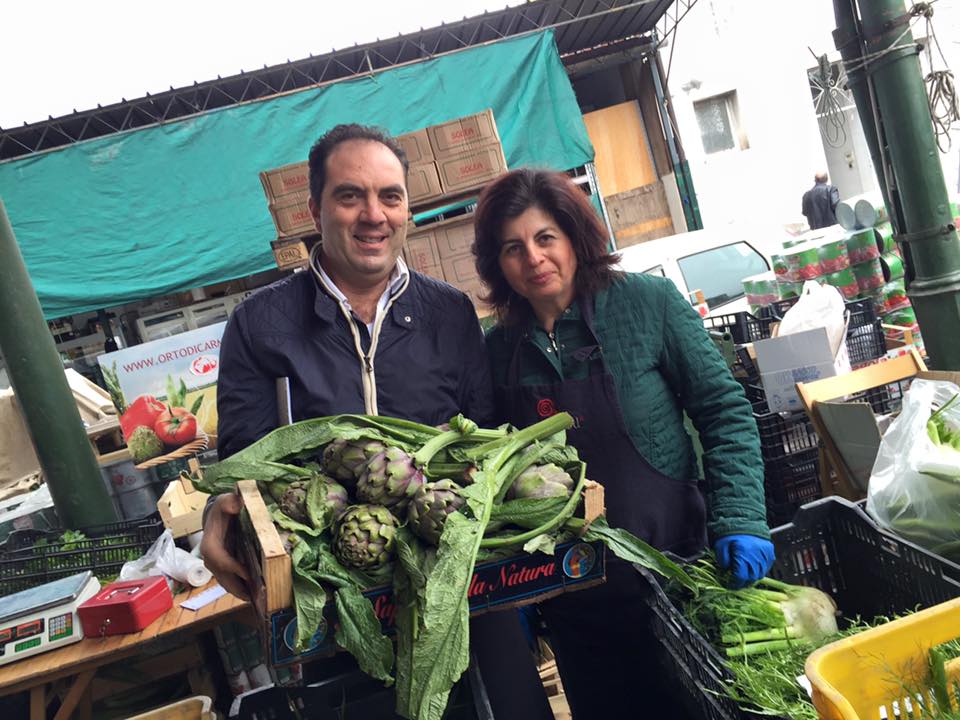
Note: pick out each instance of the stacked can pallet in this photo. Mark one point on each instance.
(867, 220)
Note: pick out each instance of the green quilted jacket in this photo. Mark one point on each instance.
(663, 363)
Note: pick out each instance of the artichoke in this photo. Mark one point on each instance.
(345, 460)
(430, 506)
(293, 502)
(326, 501)
(144, 444)
(391, 479)
(541, 481)
(337, 498)
(364, 537)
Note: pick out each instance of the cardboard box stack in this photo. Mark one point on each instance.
(455, 157)
(467, 154)
(288, 189)
(442, 250)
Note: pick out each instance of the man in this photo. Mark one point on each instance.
(820, 203)
(360, 333)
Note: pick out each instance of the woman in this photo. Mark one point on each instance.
(627, 356)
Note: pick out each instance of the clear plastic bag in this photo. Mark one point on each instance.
(914, 487)
(165, 558)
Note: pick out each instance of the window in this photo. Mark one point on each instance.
(718, 118)
(719, 271)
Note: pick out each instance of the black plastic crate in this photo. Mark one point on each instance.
(743, 326)
(783, 434)
(833, 545)
(865, 343)
(30, 558)
(789, 482)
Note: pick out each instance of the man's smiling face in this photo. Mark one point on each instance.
(362, 213)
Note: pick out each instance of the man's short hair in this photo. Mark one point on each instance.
(342, 133)
(821, 177)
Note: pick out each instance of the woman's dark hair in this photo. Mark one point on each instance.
(508, 197)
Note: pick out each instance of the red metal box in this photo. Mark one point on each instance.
(126, 606)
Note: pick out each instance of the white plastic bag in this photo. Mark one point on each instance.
(914, 487)
(165, 558)
(818, 306)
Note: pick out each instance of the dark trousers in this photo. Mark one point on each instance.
(507, 667)
(606, 650)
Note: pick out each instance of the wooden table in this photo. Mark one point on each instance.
(81, 660)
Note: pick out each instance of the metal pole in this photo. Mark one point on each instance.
(49, 408)
(932, 251)
(847, 40)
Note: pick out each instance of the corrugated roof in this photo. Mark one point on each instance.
(579, 26)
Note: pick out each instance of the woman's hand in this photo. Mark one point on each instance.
(219, 537)
(747, 557)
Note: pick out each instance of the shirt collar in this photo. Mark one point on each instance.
(397, 278)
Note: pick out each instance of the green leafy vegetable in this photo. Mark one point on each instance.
(359, 633)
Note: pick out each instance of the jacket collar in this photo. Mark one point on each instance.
(329, 297)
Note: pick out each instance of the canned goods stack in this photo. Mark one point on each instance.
(761, 289)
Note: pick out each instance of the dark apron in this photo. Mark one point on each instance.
(602, 635)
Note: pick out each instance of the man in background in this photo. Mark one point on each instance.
(820, 203)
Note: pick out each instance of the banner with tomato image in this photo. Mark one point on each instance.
(168, 386)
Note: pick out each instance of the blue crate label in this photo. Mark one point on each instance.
(579, 560)
(290, 636)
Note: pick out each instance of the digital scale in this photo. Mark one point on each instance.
(42, 618)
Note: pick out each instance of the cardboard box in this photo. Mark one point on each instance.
(292, 217)
(517, 580)
(471, 170)
(423, 182)
(474, 289)
(286, 180)
(800, 357)
(421, 254)
(416, 145)
(454, 237)
(290, 253)
(460, 270)
(463, 134)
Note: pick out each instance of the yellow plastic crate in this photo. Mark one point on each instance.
(197, 707)
(884, 671)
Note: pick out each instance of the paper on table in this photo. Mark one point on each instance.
(204, 598)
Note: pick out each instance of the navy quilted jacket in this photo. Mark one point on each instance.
(425, 363)
(664, 363)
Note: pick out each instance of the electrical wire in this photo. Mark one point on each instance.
(941, 92)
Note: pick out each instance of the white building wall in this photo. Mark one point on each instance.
(761, 50)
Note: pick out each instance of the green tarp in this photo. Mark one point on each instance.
(179, 206)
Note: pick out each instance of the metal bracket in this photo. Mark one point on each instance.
(926, 234)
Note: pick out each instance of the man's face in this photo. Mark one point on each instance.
(362, 213)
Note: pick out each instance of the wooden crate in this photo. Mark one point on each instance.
(271, 566)
(181, 507)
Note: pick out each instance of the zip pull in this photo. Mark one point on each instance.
(553, 341)
(367, 363)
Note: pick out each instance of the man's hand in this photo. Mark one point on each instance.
(747, 557)
(218, 539)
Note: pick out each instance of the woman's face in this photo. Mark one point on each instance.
(538, 260)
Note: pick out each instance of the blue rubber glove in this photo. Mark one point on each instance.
(747, 557)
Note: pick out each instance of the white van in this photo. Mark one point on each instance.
(714, 261)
